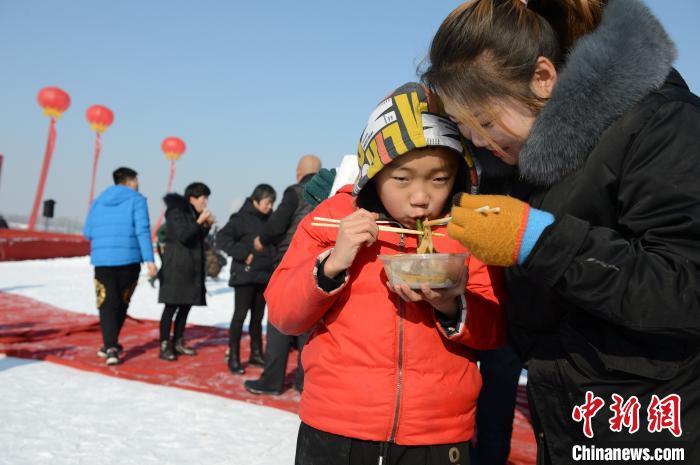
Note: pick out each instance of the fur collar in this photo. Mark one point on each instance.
(176, 201)
(607, 72)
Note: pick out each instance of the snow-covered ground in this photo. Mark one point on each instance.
(67, 283)
(51, 414)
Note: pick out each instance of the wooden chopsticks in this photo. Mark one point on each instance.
(322, 222)
(483, 210)
(438, 221)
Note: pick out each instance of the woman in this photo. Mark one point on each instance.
(188, 222)
(250, 272)
(604, 263)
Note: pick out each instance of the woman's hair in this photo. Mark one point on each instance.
(197, 189)
(488, 49)
(264, 191)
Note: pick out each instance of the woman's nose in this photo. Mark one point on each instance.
(478, 140)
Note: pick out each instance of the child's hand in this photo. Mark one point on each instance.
(355, 229)
(442, 300)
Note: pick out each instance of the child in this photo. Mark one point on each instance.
(390, 374)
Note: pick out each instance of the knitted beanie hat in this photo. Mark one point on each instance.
(408, 119)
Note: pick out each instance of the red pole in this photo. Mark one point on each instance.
(162, 213)
(50, 143)
(98, 146)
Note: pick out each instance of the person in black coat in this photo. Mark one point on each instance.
(604, 296)
(188, 222)
(250, 272)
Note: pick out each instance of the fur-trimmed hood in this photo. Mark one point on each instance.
(607, 72)
(177, 201)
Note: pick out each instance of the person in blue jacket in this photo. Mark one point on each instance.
(118, 229)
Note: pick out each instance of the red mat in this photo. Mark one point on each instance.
(32, 329)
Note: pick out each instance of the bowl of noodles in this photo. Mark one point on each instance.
(436, 270)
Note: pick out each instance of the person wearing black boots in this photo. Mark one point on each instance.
(250, 272)
(277, 236)
(182, 275)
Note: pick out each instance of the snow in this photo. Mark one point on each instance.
(67, 283)
(56, 415)
(52, 414)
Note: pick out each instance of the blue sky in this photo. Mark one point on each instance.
(249, 86)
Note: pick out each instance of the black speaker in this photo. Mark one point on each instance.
(48, 208)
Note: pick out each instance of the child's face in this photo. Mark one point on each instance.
(417, 185)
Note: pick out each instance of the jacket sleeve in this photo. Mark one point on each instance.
(87, 229)
(276, 227)
(645, 274)
(183, 229)
(228, 239)
(294, 299)
(142, 228)
(481, 324)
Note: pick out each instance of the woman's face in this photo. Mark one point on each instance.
(199, 203)
(506, 122)
(264, 206)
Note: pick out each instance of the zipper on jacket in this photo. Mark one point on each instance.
(395, 426)
(383, 453)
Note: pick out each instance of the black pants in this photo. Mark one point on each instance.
(316, 447)
(114, 286)
(247, 297)
(276, 357)
(500, 371)
(166, 320)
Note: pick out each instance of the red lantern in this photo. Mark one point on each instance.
(54, 101)
(173, 148)
(99, 117)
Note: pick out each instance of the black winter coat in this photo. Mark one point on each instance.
(182, 274)
(283, 222)
(236, 239)
(609, 299)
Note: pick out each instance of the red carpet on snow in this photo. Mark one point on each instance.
(35, 330)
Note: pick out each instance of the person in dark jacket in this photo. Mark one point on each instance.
(182, 275)
(120, 240)
(603, 259)
(250, 272)
(277, 234)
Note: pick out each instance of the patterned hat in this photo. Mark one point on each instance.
(408, 119)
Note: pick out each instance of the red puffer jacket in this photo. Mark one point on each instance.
(377, 368)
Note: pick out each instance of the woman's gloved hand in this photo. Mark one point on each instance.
(319, 187)
(504, 234)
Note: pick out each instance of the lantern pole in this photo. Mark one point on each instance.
(167, 190)
(50, 143)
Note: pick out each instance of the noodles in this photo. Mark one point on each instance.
(426, 241)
